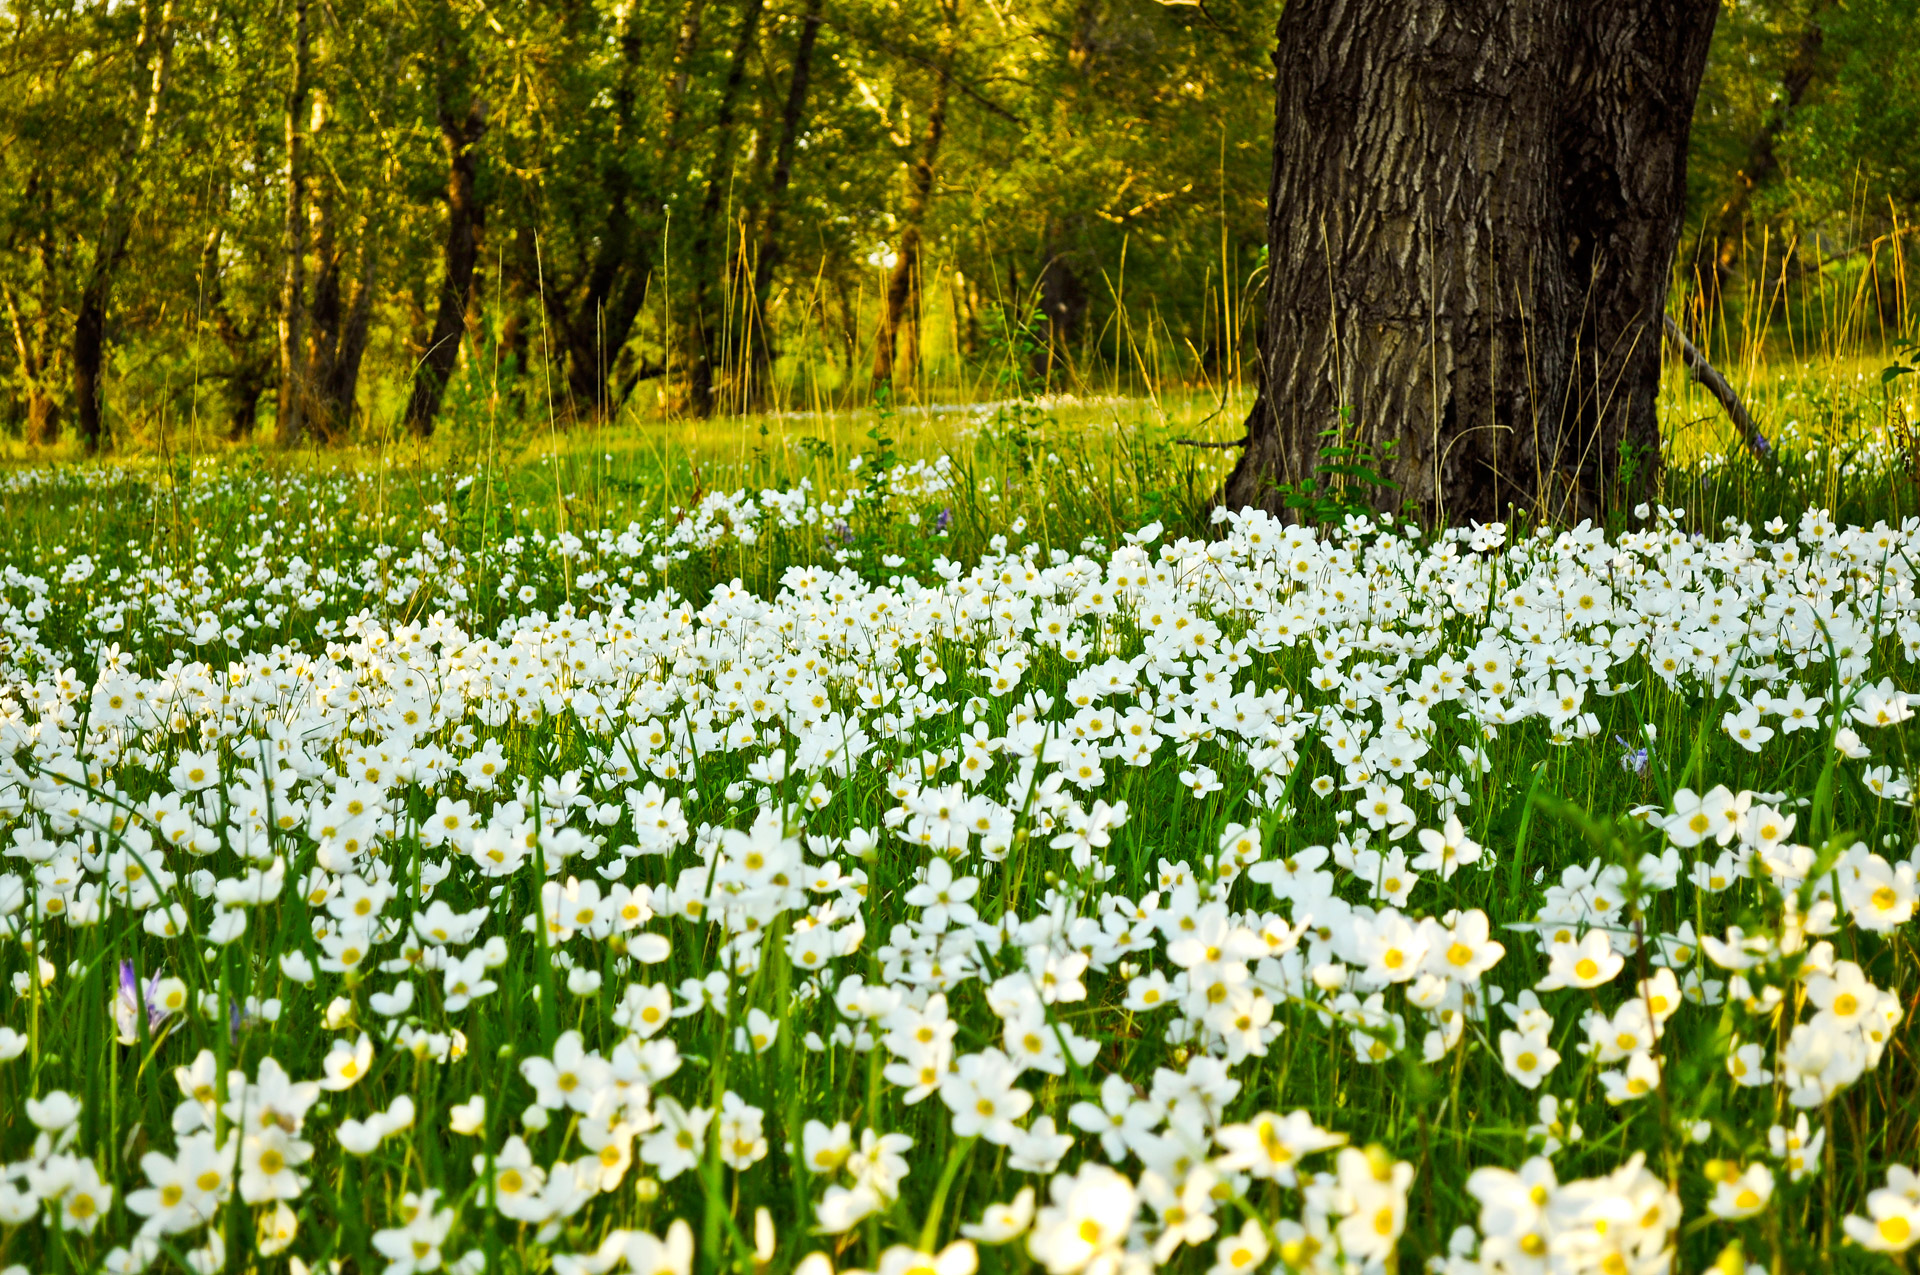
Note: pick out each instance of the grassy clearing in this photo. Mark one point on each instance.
(438, 859)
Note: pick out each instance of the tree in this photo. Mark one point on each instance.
(123, 194)
(759, 354)
(711, 257)
(1723, 235)
(462, 115)
(1471, 227)
(607, 176)
(901, 302)
(293, 244)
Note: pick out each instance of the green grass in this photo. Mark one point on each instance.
(286, 612)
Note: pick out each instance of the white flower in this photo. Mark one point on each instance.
(1085, 1226)
(1590, 962)
(679, 1140)
(468, 1117)
(268, 1160)
(983, 1097)
(1002, 1223)
(1528, 1057)
(1742, 1193)
(54, 1112)
(345, 1065)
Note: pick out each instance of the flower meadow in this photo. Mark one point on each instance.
(380, 896)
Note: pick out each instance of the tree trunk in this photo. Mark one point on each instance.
(89, 355)
(325, 313)
(460, 132)
(1724, 236)
(710, 253)
(629, 295)
(251, 362)
(290, 429)
(594, 327)
(792, 117)
(685, 42)
(30, 346)
(96, 296)
(1064, 302)
(338, 392)
(1472, 221)
(339, 330)
(903, 284)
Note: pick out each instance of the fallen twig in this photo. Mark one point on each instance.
(1196, 442)
(1709, 378)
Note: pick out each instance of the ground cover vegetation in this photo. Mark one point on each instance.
(458, 867)
(727, 724)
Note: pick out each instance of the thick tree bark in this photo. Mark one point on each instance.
(710, 255)
(792, 120)
(290, 428)
(110, 249)
(460, 132)
(902, 298)
(1472, 221)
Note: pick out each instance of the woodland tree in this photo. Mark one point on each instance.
(1471, 227)
(420, 211)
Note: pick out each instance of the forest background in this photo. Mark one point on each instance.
(314, 221)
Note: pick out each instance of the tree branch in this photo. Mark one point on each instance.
(1709, 378)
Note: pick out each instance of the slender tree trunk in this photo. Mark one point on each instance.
(338, 392)
(1063, 294)
(903, 283)
(629, 297)
(250, 361)
(89, 358)
(325, 313)
(43, 409)
(1471, 224)
(792, 120)
(686, 41)
(520, 293)
(338, 333)
(1725, 233)
(710, 241)
(460, 133)
(1064, 302)
(595, 326)
(290, 427)
(96, 295)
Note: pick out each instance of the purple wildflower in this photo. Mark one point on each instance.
(127, 1004)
